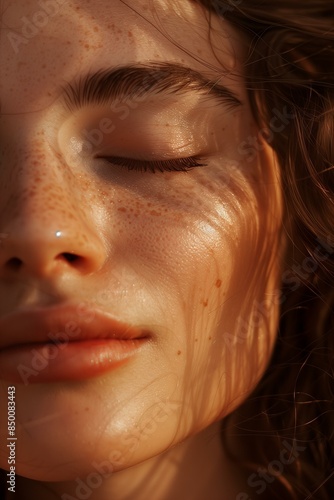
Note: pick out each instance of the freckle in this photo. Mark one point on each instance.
(96, 29)
(205, 302)
(218, 283)
(210, 338)
(178, 353)
(154, 212)
(87, 45)
(86, 409)
(122, 209)
(196, 340)
(129, 34)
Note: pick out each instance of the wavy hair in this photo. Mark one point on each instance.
(290, 67)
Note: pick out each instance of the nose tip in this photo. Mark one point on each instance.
(56, 251)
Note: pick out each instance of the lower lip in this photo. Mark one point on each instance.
(45, 362)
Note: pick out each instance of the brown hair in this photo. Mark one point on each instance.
(290, 70)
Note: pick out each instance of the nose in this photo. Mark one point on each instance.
(50, 251)
(46, 228)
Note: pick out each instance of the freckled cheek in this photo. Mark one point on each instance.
(175, 247)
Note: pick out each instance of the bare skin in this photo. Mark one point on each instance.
(192, 256)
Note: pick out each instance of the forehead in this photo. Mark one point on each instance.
(47, 43)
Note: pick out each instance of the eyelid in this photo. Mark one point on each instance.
(173, 165)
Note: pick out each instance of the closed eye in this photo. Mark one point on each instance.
(174, 165)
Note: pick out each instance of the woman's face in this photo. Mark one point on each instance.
(188, 256)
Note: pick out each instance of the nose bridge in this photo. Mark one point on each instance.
(43, 221)
(35, 185)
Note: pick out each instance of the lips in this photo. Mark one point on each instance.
(72, 342)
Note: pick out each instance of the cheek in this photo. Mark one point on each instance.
(224, 261)
(178, 241)
(181, 234)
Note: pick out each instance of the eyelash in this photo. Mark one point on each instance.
(174, 165)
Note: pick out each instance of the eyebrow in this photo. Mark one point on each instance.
(137, 81)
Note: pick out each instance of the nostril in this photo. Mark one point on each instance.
(73, 260)
(70, 257)
(14, 263)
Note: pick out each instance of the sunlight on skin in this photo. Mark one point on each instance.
(188, 256)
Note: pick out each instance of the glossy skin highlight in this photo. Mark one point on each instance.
(190, 256)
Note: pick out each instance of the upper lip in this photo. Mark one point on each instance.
(74, 321)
